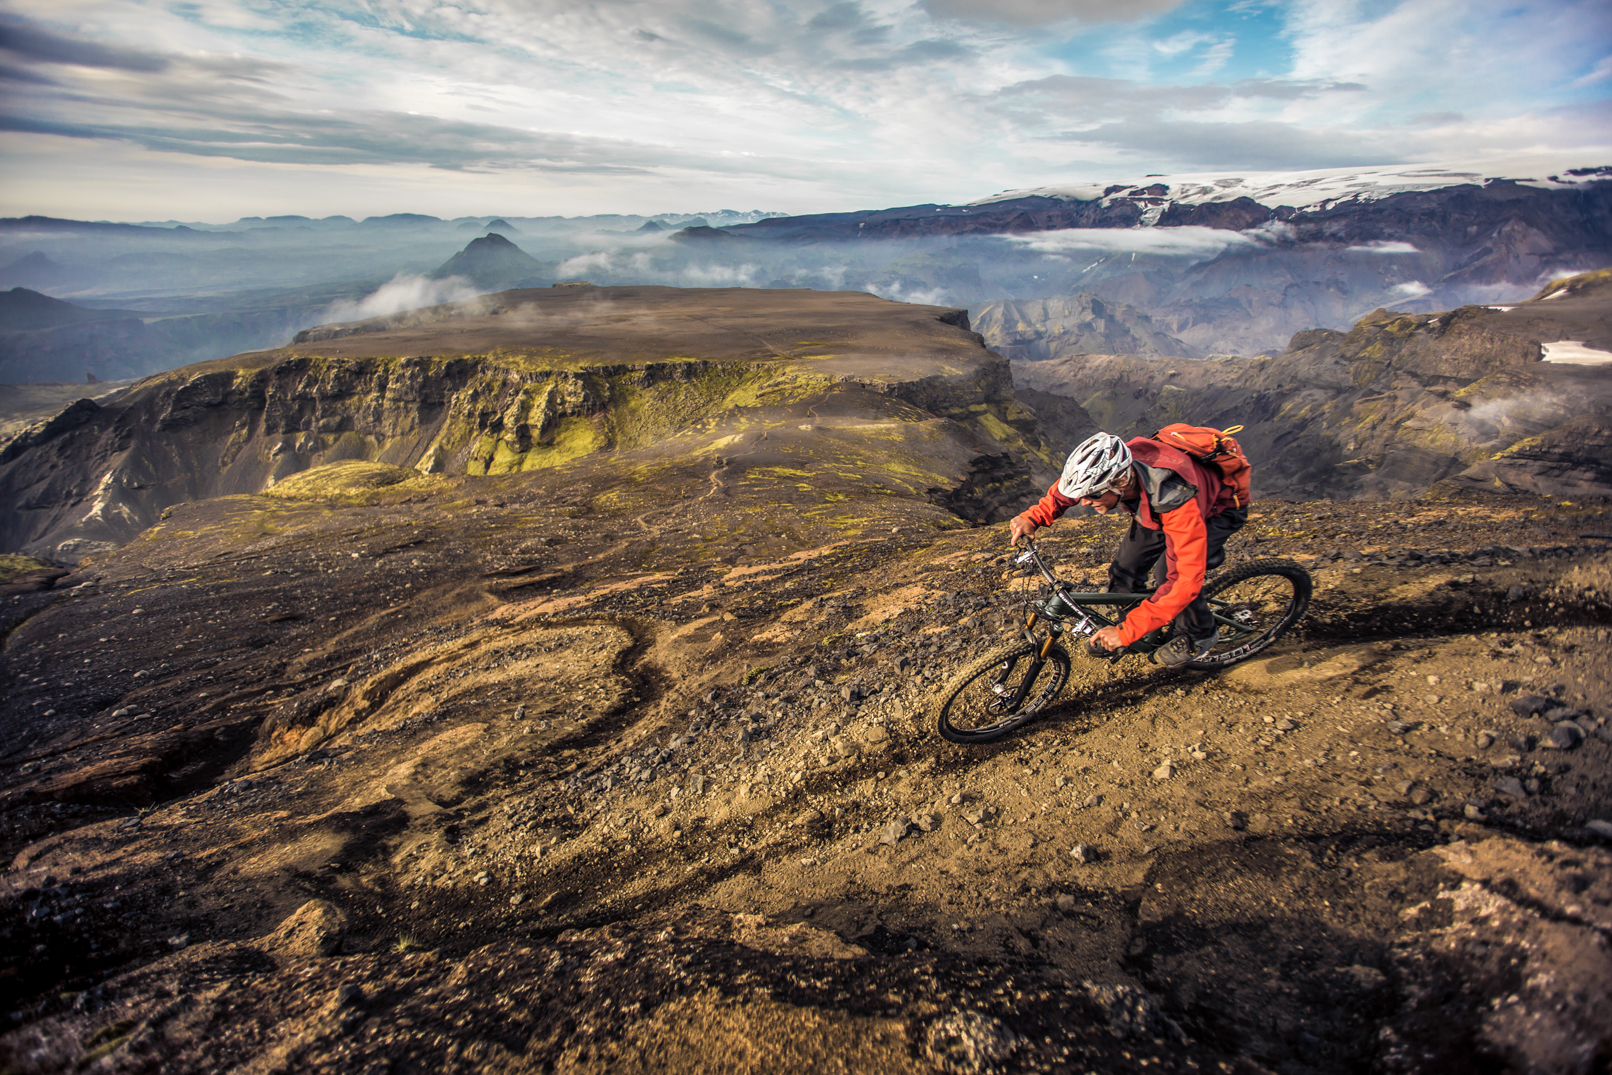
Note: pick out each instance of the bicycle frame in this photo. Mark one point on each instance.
(1065, 604)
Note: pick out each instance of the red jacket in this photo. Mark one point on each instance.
(1177, 495)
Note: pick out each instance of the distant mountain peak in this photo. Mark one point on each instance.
(24, 310)
(492, 261)
(701, 233)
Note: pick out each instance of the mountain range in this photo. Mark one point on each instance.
(1217, 263)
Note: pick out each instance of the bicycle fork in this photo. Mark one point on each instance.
(1011, 699)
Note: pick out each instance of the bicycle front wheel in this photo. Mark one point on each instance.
(1253, 606)
(976, 705)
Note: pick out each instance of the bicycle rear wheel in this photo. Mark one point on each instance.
(1254, 605)
(975, 705)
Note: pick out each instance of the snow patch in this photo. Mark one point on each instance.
(1574, 353)
(1385, 246)
(1313, 189)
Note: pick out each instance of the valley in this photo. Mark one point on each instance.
(1217, 264)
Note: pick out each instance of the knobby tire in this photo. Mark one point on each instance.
(964, 713)
(1272, 594)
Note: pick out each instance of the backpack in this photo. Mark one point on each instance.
(1216, 449)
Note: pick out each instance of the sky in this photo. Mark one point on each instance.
(209, 110)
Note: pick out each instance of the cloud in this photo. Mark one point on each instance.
(1044, 12)
(1601, 72)
(1188, 241)
(810, 105)
(402, 292)
(34, 43)
(1251, 144)
(1387, 246)
(917, 296)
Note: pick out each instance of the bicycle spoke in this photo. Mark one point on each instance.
(999, 692)
(1252, 607)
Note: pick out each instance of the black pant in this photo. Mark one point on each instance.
(1143, 550)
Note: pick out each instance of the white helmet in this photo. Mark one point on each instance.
(1091, 468)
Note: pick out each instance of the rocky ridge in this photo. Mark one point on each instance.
(1396, 406)
(1296, 251)
(1034, 329)
(532, 379)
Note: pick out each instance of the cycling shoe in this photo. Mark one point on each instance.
(1180, 650)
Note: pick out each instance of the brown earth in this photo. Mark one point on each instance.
(557, 771)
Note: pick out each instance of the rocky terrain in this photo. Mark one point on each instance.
(457, 773)
(623, 761)
(1037, 329)
(1399, 405)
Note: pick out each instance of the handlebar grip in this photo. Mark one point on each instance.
(1102, 652)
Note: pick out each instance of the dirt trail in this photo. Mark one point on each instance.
(443, 829)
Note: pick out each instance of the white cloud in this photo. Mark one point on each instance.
(1385, 246)
(1184, 241)
(917, 296)
(1412, 289)
(1599, 73)
(402, 292)
(811, 105)
(1043, 12)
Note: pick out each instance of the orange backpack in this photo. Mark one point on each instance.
(1214, 448)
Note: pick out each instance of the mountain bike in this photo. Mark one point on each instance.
(1253, 605)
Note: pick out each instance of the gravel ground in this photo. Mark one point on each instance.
(398, 789)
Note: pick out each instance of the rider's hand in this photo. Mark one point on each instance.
(1021, 526)
(1107, 638)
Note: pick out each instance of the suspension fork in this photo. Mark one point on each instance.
(1045, 647)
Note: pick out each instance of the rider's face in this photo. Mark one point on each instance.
(1102, 505)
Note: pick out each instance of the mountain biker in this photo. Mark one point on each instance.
(1178, 507)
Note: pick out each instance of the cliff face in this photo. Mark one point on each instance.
(1399, 404)
(1033, 329)
(525, 383)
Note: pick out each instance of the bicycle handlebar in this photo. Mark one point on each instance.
(1032, 555)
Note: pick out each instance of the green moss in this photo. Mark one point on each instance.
(13, 566)
(572, 439)
(998, 430)
(1575, 283)
(349, 445)
(352, 482)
